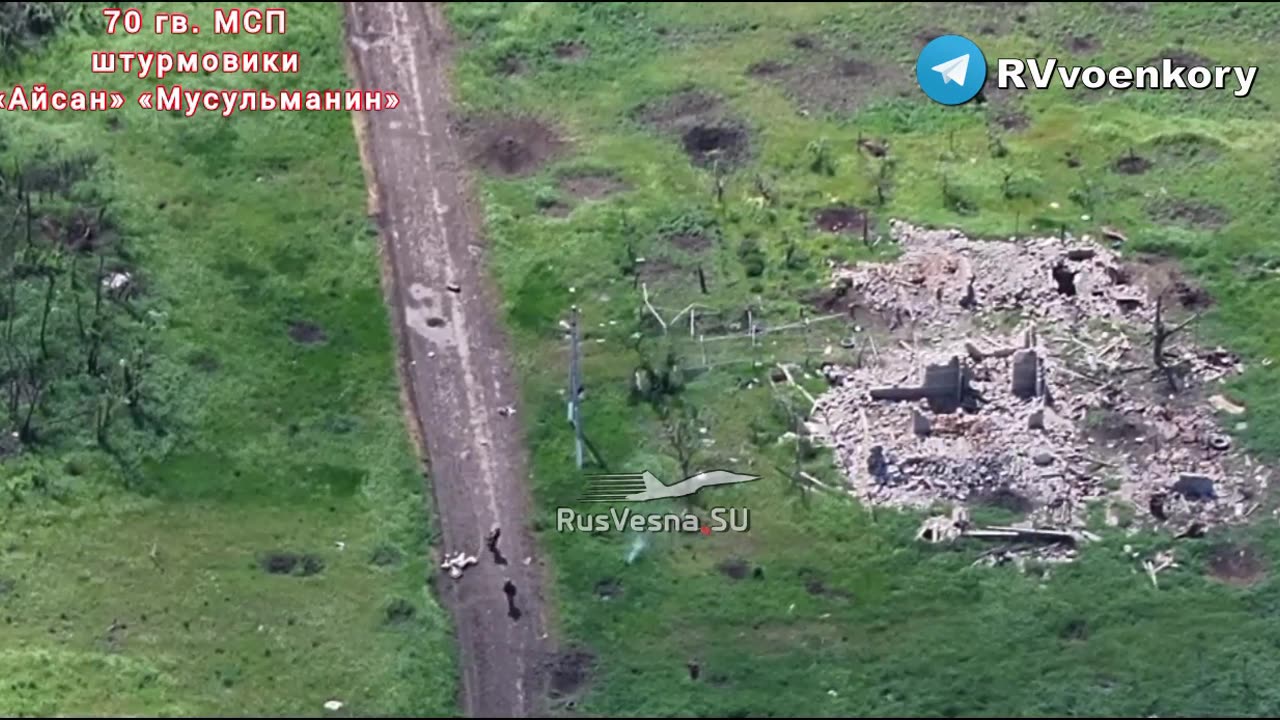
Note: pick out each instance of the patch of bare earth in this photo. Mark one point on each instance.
(691, 242)
(510, 65)
(834, 83)
(556, 209)
(1065, 407)
(766, 68)
(1131, 164)
(707, 131)
(657, 269)
(1180, 58)
(1003, 107)
(306, 332)
(928, 35)
(1187, 147)
(844, 219)
(1240, 565)
(510, 146)
(592, 185)
(1189, 213)
(1083, 44)
(734, 569)
(571, 51)
(570, 674)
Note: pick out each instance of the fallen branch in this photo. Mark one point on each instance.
(644, 289)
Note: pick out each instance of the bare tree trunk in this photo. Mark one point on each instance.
(96, 331)
(1160, 336)
(35, 389)
(44, 316)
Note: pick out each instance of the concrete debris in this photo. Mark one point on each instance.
(1041, 395)
(1018, 544)
(117, 281)
(1221, 404)
(920, 424)
(1162, 560)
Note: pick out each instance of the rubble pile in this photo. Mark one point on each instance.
(1024, 375)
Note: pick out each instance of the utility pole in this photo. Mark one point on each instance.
(575, 386)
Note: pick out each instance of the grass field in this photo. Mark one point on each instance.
(286, 438)
(845, 616)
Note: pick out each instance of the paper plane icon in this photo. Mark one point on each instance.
(953, 70)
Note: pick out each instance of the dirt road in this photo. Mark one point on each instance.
(454, 358)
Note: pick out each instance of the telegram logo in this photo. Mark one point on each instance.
(951, 70)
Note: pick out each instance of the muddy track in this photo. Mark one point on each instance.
(454, 361)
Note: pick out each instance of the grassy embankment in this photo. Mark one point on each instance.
(849, 617)
(154, 600)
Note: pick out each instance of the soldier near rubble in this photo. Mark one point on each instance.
(492, 543)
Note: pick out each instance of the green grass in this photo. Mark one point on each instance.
(238, 226)
(913, 629)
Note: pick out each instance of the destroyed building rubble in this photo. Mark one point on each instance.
(1040, 375)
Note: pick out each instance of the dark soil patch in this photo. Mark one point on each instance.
(56, 176)
(1131, 164)
(1159, 273)
(1003, 108)
(679, 111)
(831, 300)
(1180, 59)
(571, 51)
(1006, 498)
(510, 146)
(510, 65)
(1075, 629)
(842, 219)
(608, 588)
(1109, 427)
(1011, 119)
(1240, 565)
(204, 361)
(570, 672)
(815, 584)
(765, 68)
(658, 268)
(724, 143)
(1083, 43)
(1189, 213)
(556, 208)
(1187, 147)
(928, 35)
(288, 563)
(736, 569)
(399, 611)
(306, 332)
(707, 133)
(592, 185)
(385, 555)
(838, 85)
(691, 242)
(804, 42)
(1128, 8)
(83, 229)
